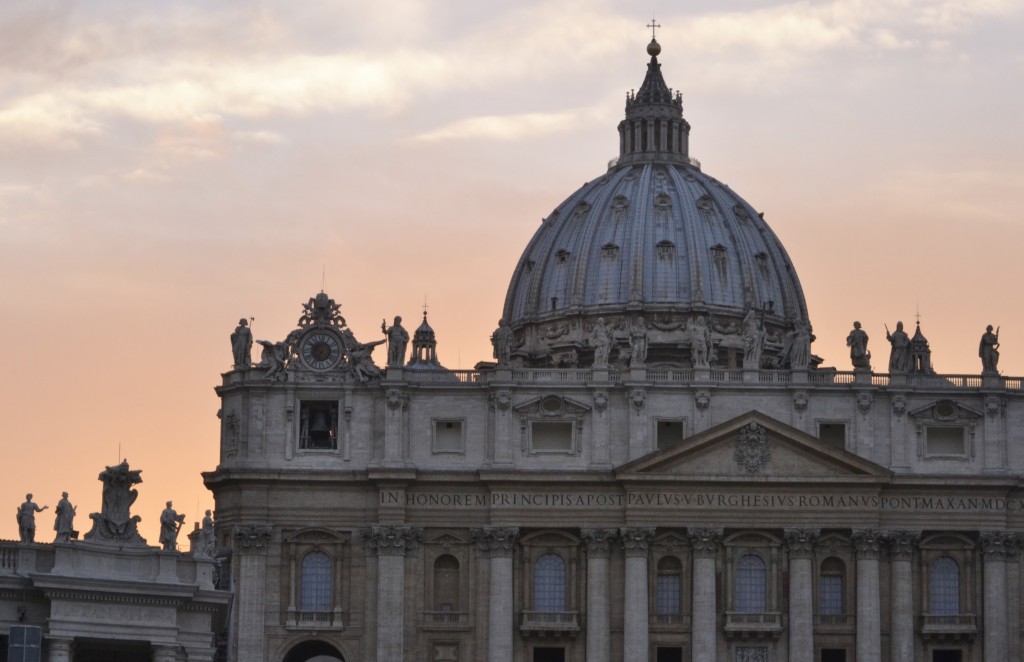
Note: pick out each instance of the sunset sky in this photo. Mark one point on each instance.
(169, 167)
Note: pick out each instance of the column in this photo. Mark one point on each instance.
(598, 614)
(250, 548)
(394, 426)
(499, 544)
(165, 653)
(994, 547)
(636, 542)
(704, 543)
(1013, 598)
(391, 543)
(901, 555)
(800, 544)
(57, 650)
(869, 622)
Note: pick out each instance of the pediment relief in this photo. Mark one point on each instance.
(315, 536)
(553, 406)
(671, 543)
(446, 540)
(752, 446)
(945, 411)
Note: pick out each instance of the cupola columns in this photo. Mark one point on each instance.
(654, 128)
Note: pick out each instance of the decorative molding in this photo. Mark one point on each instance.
(800, 401)
(638, 398)
(868, 543)
(501, 400)
(800, 542)
(702, 399)
(752, 449)
(397, 399)
(864, 401)
(252, 538)
(994, 406)
(997, 545)
(392, 539)
(598, 541)
(705, 541)
(899, 405)
(495, 541)
(902, 544)
(600, 401)
(636, 541)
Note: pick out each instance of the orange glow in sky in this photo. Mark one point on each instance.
(168, 168)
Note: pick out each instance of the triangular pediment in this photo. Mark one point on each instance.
(752, 446)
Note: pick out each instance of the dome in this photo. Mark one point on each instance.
(653, 237)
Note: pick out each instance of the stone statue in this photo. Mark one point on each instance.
(899, 357)
(360, 361)
(170, 524)
(64, 524)
(208, 540)
(857, 341)
(700, 343)
(988, 350)
(398, 339)
(273, 358)
(27, 519)
(241, 345)
(115, 523)
(501, 339)
(753, 340)
(800, 349)
(601, 341)
(638, 343)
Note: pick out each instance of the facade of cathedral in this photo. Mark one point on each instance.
(655, 468)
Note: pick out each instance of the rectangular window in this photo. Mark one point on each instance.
(833, 434)
(670, 432)
(551, 437)
(831, 598)
(448, 436)
(318, 425)
(833, 655)
(669, 654)
(666, 595)
(945, 441)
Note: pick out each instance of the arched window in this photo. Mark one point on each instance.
(446, 583)
(750, 584)
(315, 591)
(830, 587)
(944, 596)
(549, 583)
(667, 589)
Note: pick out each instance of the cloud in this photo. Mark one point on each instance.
(510, 127)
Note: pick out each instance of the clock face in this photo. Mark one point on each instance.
(321, 350)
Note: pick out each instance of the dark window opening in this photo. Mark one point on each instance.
(318, 425)
(833, 655)
(548, 655)
(833, 434)
(947, 656)
(670, 433)
(670, 654)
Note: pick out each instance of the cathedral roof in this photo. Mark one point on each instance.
(654, 233)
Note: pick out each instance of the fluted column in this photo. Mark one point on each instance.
(391, 543)
(704, 643)
(800, 545)
(994, 547)
(869, 622)
(499, 544)
(598, 614)
(58, 650)
(636, 543)
(250, 548)
(901, 555)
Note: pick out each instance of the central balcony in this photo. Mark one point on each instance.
(444, 621)
(949, 626)
(550, 623)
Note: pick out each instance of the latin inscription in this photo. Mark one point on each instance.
(700, 500)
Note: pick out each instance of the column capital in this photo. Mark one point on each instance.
(636, 540)
(902, 544)
(998, 545)
(252, 538)
(495, 540)
(598, 541)
(800, 542)
(868, 543)
(704, 541)
(392, 539)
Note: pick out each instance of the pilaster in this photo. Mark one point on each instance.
(250, 546)
(800, 546)
(499, 544)
(704, 543)
(636, 543)
(598, 543)
(868, 543)
(391, 543)
(995, 547)
(901, 609)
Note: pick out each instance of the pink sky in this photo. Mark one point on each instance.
(167, 168)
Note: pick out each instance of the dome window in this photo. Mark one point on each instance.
(762, 262)
(741, 213)
(718, 258)
(704, 203)
(610, 251)
(619, 205)
(562, 256)
(666, 250)
(582, 208)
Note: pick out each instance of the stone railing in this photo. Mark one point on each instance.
(550, 621)
(835, 621)
(742, 621)
(8, 558)
(670, 621)
(315, 620)
(948, 624)
(444, 620)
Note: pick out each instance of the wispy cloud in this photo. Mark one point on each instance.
(511, 127)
